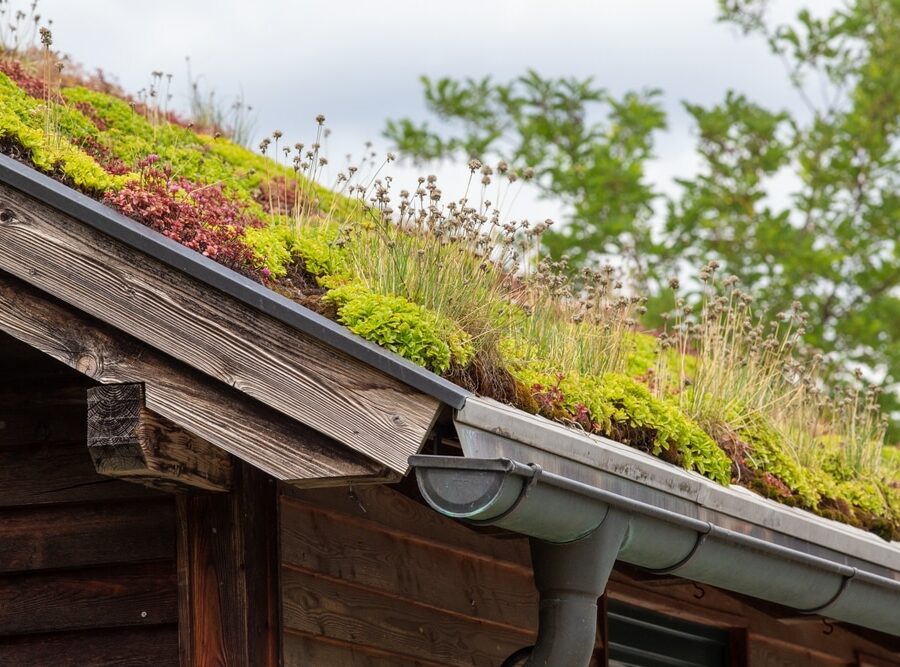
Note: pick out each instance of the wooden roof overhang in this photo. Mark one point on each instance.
(223, 360)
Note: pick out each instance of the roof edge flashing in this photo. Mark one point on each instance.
(140, 237)
(487, 429)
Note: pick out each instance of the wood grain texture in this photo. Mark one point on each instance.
(336, 609)
(394, 512)
(126, 647)
(228, 570)
(308, 650)
(221, 415)
(73, 536)
(126, 595)
(128, 441)
(357, 405)
(405, 567)
(58, 473)
(371, 577)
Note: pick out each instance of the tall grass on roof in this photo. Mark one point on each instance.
(452, 284)
(754, 385)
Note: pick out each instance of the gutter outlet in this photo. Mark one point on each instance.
(574, 543)
(570, 577)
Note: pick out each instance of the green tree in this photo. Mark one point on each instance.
(832, 245)
(587, 148)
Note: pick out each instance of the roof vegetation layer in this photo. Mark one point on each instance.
(456, 287)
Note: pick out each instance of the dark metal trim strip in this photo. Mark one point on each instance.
(104, 219)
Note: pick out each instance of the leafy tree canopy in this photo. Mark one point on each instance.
(832, 246)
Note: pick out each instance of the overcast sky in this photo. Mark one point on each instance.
(359, 62)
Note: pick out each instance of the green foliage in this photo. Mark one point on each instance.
(320, 253)
(596, 169)
(282, 244)
(26, 120)
(833, 247)
(642, 354)
(623, 408)
(769, 454)
(401, 326)
(890, 461)
(132, 137)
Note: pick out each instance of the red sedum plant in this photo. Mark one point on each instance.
(201, 217)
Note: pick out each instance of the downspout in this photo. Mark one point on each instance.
(577, 532)
(570, 577)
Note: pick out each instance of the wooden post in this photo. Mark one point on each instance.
(228, 575)
(128, 441)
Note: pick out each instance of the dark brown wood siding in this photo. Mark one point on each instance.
(372, 578)
(87, 564)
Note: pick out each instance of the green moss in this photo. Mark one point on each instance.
(867, 495)
(768, 455)
(624, 408)
(643, 350)
(401, 326)
(281, 244)
(24, 120)
(132, 137)
(890, 463)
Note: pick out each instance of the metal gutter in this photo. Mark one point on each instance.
(142, 238)
(488, 429)
(569, 492)
(577, 531)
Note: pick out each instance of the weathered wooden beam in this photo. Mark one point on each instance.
(217, 413)
(293, 372)
(228, 575)
(128, 441)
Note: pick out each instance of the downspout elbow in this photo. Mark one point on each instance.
(570, 578)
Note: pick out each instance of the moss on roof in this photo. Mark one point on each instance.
(500, 327)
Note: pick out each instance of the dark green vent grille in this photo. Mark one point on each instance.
(641, 638)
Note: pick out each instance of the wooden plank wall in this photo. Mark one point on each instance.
(371, 578)
(87, 564)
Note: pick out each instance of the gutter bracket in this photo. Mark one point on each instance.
(845, 581)
(701, 538)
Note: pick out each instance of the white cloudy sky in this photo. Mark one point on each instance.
(359, 62)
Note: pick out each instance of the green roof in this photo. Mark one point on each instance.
(454, 286)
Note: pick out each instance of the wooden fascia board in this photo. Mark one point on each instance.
(300, 376)
(219, 414)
